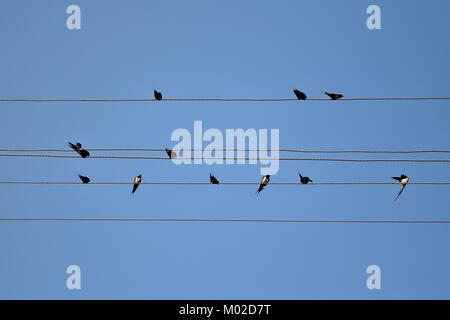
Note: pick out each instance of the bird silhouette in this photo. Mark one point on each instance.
(334, 96)
(264, 181)
(158, 95)
(300, 95)
(83, 153)
(304, 180)
(171, 154)
(403, 179)
(213, 179)
(137, 181)
(84, 179)
(77, 147)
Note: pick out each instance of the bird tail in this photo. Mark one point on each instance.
(400, 192)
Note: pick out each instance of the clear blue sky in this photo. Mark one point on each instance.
(223, 49)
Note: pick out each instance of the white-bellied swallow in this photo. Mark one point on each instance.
(158, 95)
(304, 180)
(213, 179)
(137, 181)
(264, 181)
(300, 95)
(334, 96)
(403, 179)
(84, 179)
(171, 153)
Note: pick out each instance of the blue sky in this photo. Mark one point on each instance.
(226, 49)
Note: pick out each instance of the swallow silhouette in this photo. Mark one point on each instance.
(304, 180)
(137, 181)
(264, 181)
(84, 179)
(213, 179)
(83, 153)
(77, 147)
(300, 95)
(403, 179)
(334, 96)
(158, 95)
(171, 154)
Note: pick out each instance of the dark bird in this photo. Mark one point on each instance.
(404, 181)
(76, 146)
(334, 96)
(300, 95)
(213, 179)
(171, 154)
(264, 181)
(158, 95)
(304, 180)
(137, 181)
(83, 153)
(84, 179)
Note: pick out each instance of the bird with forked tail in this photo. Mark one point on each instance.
(403, 179)
(264, 181)
(304, 180)
(334, 96)
(137, 181)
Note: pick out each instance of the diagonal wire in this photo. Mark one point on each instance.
(265, 150)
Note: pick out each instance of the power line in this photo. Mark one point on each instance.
(230, 158)
(266, 150)
(225, 99)
(221, 183)
(219, 220)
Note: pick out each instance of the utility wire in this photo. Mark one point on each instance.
(221, 183)
(277, 150)
(228, 158)
(225, 99)
(218, 220)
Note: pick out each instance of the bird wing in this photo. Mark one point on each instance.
(74, 147)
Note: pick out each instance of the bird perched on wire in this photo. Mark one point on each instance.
(77, 147)
(158, 95)
(264, 181)
(84, 179)
(171, 153)
(334, 96)
(304, 180)
(137, 181)
(300, 95)
(403, 179)
(213, 179)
